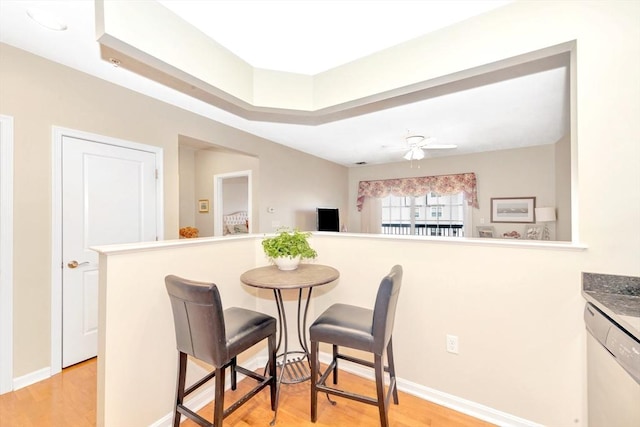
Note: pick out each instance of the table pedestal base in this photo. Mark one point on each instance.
(296, 367)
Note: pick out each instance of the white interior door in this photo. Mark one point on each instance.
(108, 197)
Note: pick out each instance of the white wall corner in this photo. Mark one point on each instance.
(6, 254)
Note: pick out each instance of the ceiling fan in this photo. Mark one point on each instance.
(416, 144)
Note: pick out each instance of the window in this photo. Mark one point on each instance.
(430, 215)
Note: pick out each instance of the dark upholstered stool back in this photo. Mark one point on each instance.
(384, 311)
(216, 336)
(199, 320)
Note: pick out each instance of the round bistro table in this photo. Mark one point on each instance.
(306, 276)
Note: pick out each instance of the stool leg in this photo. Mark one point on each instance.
(218, 404)
(314, 380)
(392, 370)
(335, 367)
(382, 401)
(271, 343)
(234, 374)
(182, 376)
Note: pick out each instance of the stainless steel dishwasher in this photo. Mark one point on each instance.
(613, 372)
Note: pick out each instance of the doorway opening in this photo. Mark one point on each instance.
(200, 162)
(232, 194)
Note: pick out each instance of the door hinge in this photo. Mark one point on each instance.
(156, 173)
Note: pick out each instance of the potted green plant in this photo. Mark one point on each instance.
(287, 248)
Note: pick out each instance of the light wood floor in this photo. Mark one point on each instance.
(68, 400)
(65, 399)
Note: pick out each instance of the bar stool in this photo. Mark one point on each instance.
(361, 329)
(207, 332)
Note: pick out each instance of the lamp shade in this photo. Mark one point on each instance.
(545, 214)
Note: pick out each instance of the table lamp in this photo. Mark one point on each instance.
(545, 215)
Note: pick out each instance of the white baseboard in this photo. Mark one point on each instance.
(203, 397)
(473, 409)
(31, 378)
(458, 404)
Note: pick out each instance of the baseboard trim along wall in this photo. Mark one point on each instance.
(32, 378)
(466, 407)
(481, 412)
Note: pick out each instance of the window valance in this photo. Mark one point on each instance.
(419, 186)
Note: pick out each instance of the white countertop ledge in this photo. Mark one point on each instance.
(474, 241)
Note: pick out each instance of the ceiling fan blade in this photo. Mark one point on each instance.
(395, 147)
(416, 144)
(439, 146)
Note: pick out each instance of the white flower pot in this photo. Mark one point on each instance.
(286, 263)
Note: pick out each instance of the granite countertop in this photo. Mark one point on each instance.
(617, 296)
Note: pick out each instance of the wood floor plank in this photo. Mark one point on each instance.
(68, 399)
(294, 409)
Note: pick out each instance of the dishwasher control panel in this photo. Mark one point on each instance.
(624, 347)
(626, 351)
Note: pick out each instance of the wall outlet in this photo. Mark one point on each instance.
(452, 344)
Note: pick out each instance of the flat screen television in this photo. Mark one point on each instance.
(328, 219)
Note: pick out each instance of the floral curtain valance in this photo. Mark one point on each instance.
(419, 186)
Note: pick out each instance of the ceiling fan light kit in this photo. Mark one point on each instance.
(414, 153)
(414, 140)
(417, 144)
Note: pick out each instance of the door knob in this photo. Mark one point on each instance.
(75, 264)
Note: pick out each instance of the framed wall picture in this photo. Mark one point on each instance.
(203, 205)
(485, 231)
(513, 209)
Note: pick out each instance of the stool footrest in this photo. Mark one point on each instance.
(265, 382)
(323, 387)
(359, 361)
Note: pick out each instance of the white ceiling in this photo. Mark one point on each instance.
(312, 36)
(527, 107)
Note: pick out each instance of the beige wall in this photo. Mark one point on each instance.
(210, 163)
(523, 172)
(563, 200)
(40, 94)
(488, 293)
(187, 183)
(235, 195)
(520, 327)
(219, 262)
